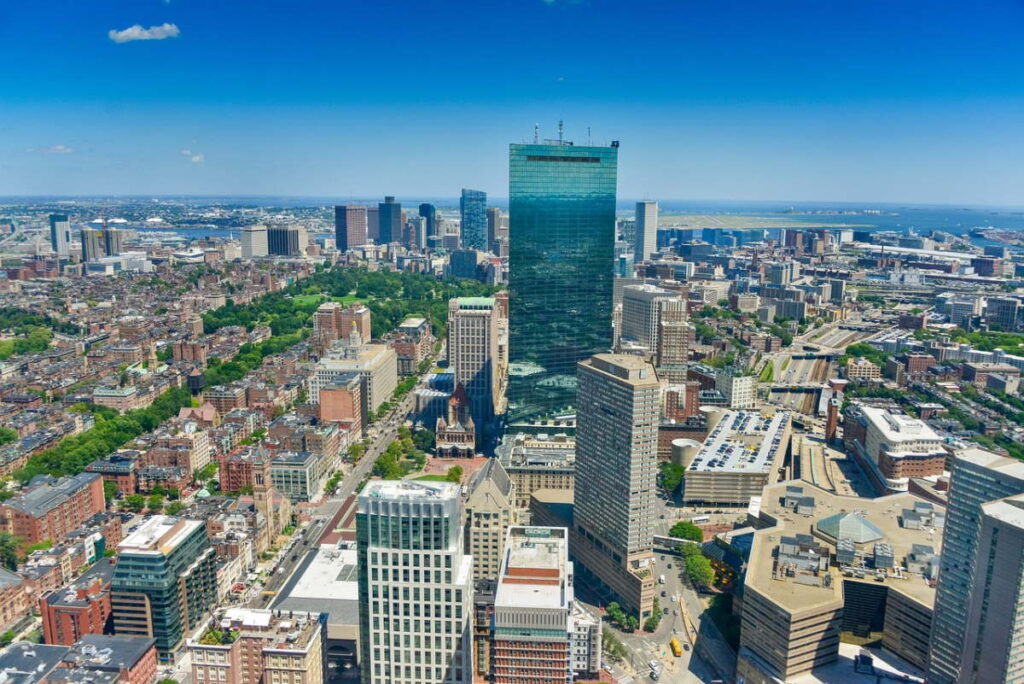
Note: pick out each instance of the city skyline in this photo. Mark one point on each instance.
(149, 99)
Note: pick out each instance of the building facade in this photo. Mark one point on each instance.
(415, 584)
(349, 226)
(561, 258)
(473, 213)
(646, 239)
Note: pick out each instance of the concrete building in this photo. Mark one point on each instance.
(350, 228)
(642, 307)
(894, 447)
(822, 564)
(415, 584)
(261, 646)
(737, 389)
(535, 462)
(299, 475)
(287, 240)
(1002, 312)
(375, 364)
(742, 454)
(165, 581)
(538, 633)
(490, 511)
(473, 356)
(616, 471)
(861, 369)
(60, 235)
(783, 273)
(645, 242)
(92, 244)
(972, 569)
(50, 508)
(341, 401)
(254, 242)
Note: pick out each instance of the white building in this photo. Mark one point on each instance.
(415, 584)
(376, 365)
(646, 231)
(254, 242)
(737, 389)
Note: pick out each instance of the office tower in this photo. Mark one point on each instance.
(373, 224)
(539, 633)
(60, 235)
(641, 313)
(783, 273)
(349, 226)
(415, 584)
(473, 356)
(837, 291)
(561, 261)
(464, 263)
(473, 212)
(92, 244)
(672, 350)
(390, 219)
(493, 225)
(429, 212)
(165, 581)
(113, 241)
(977, 478)
(490, 511)
(1002, 312)
(417, 232)
(616, 470)
(287, 240)
(646, 232)
(254, 242)
(994, 647)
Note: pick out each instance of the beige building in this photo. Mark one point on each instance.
(247, 646)
(489, 507)
(743, 453)
(536, 462)
(862, 369)
(616, 472)
(823, 564)
(473, 355)
(376, 365)
(641, 313)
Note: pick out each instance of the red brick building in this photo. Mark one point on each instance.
(51, 507)
(82, 608)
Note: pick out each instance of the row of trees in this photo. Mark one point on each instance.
(400, 458)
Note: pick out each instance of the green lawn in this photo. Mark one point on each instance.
(348, 299)
(307, 299)
(432, 478)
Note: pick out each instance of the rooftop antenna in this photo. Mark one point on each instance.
(561, 130)
(588, 135)
(536, 133)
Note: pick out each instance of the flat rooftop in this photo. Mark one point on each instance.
(535, 569)
(159, 534)
(410, 490)
(742, 442)
(872, 517)
(897, 427)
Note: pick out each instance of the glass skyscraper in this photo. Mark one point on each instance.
(473, 211)
(561, 262)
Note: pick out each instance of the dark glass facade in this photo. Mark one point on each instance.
(473, 213)
(390, 218)
(561, 263)
(429, 212)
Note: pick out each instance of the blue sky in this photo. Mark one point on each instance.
(906, 101)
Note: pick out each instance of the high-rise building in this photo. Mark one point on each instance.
(490, 511)
(616, 472)
(473, 212)
(672, 350)
(60, 235)
(113, 241)
(390, 219)
(539, 633)
(1003, 312)
(373, 224)
(415, 584)
(994, 647)
(165, 581)
(561, 261)
(641, 313)
(254, 242)
(429, 212)
(464, 263)
(287, 240)
(473, 356)
(497, 226)
(783, 272)
(737, 389)
(977, 478)
(349, 226)
(645, 241)
(92, 244)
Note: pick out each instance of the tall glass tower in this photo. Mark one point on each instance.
(561, 261)
(473, 212)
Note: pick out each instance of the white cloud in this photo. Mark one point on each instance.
(195, 157)
(138, 33)
(58, 149)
